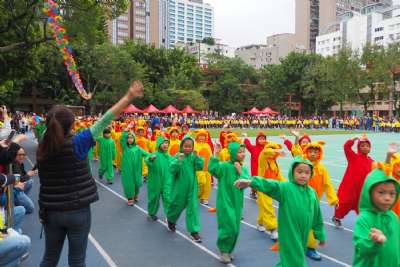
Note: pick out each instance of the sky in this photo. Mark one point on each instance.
(244, 22)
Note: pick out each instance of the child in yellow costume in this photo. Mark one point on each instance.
(228, 137)
(143, 142)
(203, 150)
(174, 142)
(116, 136)
(392, 166)
(268, 168)
(321, 183)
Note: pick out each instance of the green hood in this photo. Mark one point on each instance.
(298, 160)
(375, 177)
(186, 137)
(233, 148)
(160, 140)
(134, 139)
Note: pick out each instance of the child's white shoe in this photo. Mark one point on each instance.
(260, 228)
(225, 258)
(274, 234)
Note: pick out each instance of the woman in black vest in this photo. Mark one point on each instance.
(66, 186)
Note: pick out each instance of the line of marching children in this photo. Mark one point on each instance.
(180, 170)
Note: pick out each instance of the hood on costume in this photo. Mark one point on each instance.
(297, 160)
(273, 145)
(378, 175)
(260, 134)
(134, 139)
(161, 139)
(363, 138)
(201, 132)
(316, 144)
(233, 148)
(173, 128)
(395, 162)
(140, 128)
(305, 137)
(233, 136)
(186, 137)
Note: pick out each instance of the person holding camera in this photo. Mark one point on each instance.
(67, 187)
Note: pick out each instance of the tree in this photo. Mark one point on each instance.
(208, 40)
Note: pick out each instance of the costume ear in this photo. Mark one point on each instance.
(321, 142)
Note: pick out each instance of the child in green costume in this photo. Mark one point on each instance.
(229, 198)
(107, 155)
(376, 233)
(299, 211)
(159, 178)
(131, 167)
(184, 188)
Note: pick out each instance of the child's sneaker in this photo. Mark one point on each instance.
(225, 258)
(337, 222)
(253, 195)
(144, 179)
(196, 237)
(171, 226)
(260, 228)
(136, 199)
(153, 217)
(313, 254)
(274, 234)
(100, 177)
(205, 202)
(109, 182)
(130, 202)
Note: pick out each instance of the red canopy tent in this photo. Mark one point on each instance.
(269, 111)
(189, 109)
(170, 109)
(253, 111)
(151, 109)
(132, 109)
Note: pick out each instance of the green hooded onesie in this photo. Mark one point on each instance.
(106, 157)
(131, 166)
(158, 179)
(184, 189)
(368, 253)
(299, 212)
(229, 198)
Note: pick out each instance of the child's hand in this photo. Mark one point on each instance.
(295, 132)
(377, 235)
(242, 183)
(244, 134)
(283, 137)
(392, 148)
(280, 152)
(181, 155)
(152, 158)
(238, 167)
(135, 89)
(355, 138)
(217, 149)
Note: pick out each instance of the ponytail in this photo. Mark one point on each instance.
(58, 125)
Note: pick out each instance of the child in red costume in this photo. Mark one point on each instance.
(255, 151)
(359, 165)
(302, 141)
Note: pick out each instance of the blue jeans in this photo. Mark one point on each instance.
(19, 213)
(21, 198)
(75, 225)
(12, 248)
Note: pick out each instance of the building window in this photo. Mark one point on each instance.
(378, 38)
(379, 29)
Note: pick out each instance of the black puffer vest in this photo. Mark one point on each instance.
(65, 181)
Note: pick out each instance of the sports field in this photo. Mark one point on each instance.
(123, 236)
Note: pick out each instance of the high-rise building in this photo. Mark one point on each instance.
(311, 17)
(343, 6)
(131, 25)
(189, 21)
(158, 21)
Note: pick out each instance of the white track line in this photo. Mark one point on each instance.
(323, 255)
(96, 244)
(102, 252)
(203, 248)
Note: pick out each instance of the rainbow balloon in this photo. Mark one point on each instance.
(55, 22)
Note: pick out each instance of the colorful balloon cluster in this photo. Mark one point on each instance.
(55, 22)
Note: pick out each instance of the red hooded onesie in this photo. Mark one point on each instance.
(255, 151)
(358, 167)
